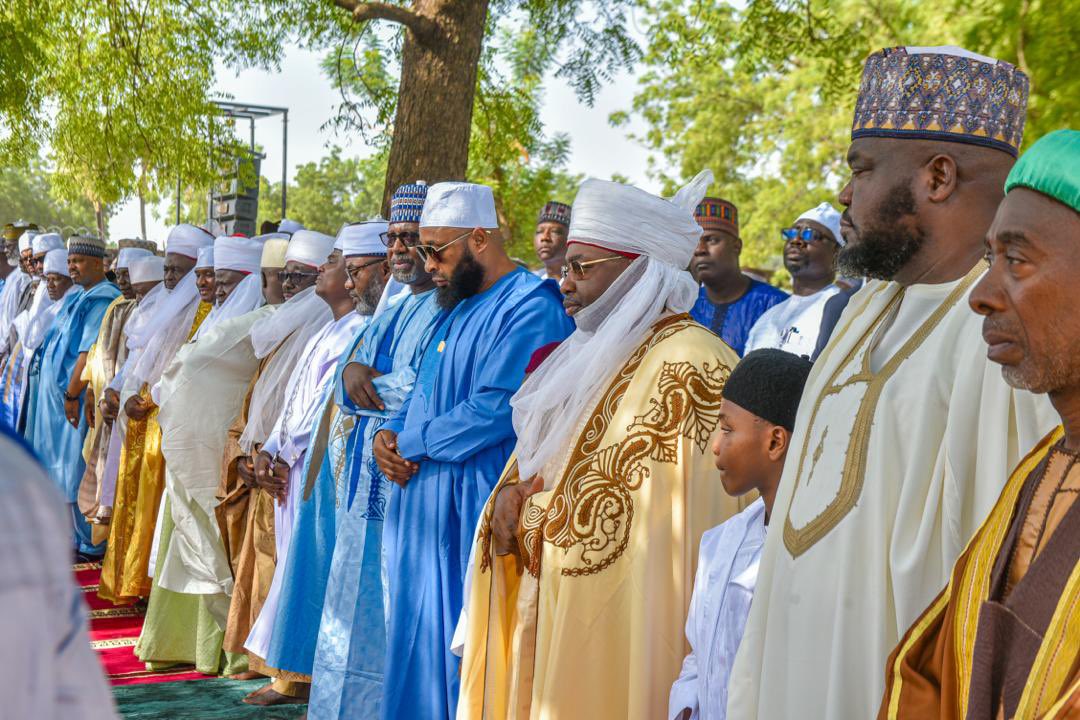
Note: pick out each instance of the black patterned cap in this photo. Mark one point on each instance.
(86, 245)
(768, 383)
(555, 211)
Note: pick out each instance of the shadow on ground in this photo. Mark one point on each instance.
(217, 699)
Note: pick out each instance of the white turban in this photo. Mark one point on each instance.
(460, 205)
(662, 234)
(56, 262)
(186, 240)
(362, 238)
(205, 258)
(828, 216)
(289, 226)
(45, 242)
(147, 268)
(310, 248)
(238, 253)
(127, 255)
(26, 241)
(274, 247)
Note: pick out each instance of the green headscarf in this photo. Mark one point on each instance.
(1052, 167)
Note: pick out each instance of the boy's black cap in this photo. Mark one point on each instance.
(769, 383)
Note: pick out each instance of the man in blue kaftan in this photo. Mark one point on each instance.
(447, 446)
(59, 423)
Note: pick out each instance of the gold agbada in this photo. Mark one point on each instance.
(593, 625)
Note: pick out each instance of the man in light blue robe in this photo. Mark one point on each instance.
(449, 442)
(59, 423)
(373, 380)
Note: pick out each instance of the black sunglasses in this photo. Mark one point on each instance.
(295, 276)
(408, 239)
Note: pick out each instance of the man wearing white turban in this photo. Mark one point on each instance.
(610, 489)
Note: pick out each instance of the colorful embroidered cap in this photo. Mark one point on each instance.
(86, 245)
(942, 93)
(555, 212)
(407, 202)
(716, 214)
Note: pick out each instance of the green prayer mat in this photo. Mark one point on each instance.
(217, 699)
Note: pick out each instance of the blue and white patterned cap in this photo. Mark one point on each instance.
(407, 202)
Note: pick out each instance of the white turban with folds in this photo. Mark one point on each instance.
(626, 220)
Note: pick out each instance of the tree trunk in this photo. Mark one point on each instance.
(142, 213)
(435, 95)
(99, 214)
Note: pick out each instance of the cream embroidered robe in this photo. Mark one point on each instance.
(905, 436)
(593, 626)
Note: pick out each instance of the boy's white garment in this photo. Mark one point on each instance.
(723, 588)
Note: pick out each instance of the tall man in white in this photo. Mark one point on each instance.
(905, 432)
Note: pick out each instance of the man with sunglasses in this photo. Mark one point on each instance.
(729, 302)
(810, 248)
(449, 442)
(271, 266)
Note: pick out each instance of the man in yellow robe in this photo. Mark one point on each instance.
(1003, 638)
(153, 338)
(585, 554)
(906, 432)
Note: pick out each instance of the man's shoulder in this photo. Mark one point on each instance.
(766, 292)
(735, 525)
(680, 338)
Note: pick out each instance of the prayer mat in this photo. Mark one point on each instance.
(214, 699)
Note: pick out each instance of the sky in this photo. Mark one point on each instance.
(597, 149)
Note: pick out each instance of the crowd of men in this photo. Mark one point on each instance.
(401, 476)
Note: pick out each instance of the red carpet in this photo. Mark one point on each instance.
(114, 630)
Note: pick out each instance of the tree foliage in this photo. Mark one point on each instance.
(764, 95)
(27, 194)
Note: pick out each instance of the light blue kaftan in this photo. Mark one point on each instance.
(456, 425)
(348, 668)
(56, 442)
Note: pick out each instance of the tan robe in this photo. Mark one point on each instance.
(592, 625)
(1005, 632)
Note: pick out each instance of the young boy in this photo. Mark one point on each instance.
(757, 414)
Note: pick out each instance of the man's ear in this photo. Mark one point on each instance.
(941, 177)
(779, 438)
(479, 239)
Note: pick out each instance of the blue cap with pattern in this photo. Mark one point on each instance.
(407, 202)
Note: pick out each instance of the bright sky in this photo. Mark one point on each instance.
(597, 149)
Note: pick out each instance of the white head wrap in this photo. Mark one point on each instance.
(460, 205)
(56, 262)
(362, 238)
(206, 258)
(186, 240)
(238, 253)
(310, 248)
(289, 226)
(33, 324)
(828, 216)
(26, 241)
(126, 255)
(275, 245)
(296, 320)
(622, 219)
(45, 242)
(149, 268)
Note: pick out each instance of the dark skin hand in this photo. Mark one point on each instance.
(357, 380)
(245, 469)
(109, 406)
(74, 389)
(508, 504)
(88, 407)
(272, 475)
(396, 468)
(138, 408)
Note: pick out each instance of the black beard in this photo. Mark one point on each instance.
(465, 281)
(883, 251)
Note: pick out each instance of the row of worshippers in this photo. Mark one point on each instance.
(538, 495)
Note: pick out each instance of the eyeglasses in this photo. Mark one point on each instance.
(354, 271)
(295, 277)
(578, 268)
(806, 234)
(408, 239)
(430, 251)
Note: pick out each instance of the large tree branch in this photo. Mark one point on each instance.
(424, 28)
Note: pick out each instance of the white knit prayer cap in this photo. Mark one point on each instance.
(206, 258)
(310, 248)
(828, 216)
(362, 238)
(289, 226)
(46, 242)
(127, 255)
(26, 241)
(56, 261)
(238, 253)
(147, 268)
(460, 205)
(185, 239)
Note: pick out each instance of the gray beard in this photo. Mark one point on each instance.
(369, 299)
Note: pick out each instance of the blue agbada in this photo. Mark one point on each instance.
(347, 679)
(732, 321)
(311, 547)
(456, 425)
(14, 388)
(56, 442)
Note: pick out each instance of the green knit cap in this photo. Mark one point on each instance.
(1052, 167)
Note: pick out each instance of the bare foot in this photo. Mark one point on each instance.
(267, 696)
(248, 675)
